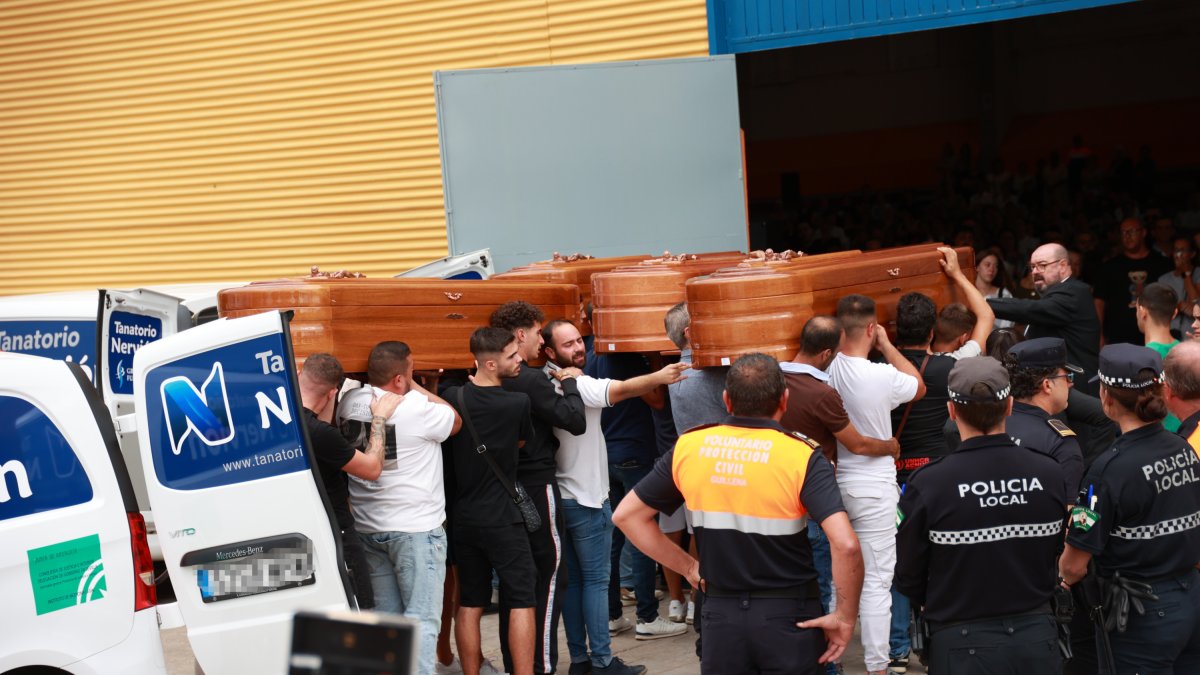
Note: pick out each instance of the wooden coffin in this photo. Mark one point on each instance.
(629, 303)
(435, 317)
(577, 271)
(737, 311)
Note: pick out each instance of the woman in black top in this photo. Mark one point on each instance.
(1138, 518)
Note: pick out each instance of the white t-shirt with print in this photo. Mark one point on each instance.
(583, 460)
(409, 495)
(869, 392)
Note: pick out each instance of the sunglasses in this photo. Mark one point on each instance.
(1070, 377)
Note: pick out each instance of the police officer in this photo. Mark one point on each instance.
(751, 486)
(1041, 380)
(979, 533)
(1138, 518)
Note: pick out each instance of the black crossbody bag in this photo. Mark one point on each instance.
(529, 512)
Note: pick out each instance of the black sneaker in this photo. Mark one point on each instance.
(581, 668)
(899, 664)
(619, 667)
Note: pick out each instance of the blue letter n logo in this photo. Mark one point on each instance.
(205, 411)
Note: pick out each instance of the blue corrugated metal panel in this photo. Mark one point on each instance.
(736, 26)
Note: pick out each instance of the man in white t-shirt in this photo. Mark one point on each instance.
(868, 483)
(582, 473)
(400, 514)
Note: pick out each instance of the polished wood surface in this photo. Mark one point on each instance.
(628, 304)
(435, 317)
(740, 311)
(566, 271)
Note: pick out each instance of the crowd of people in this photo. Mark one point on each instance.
(954, 492)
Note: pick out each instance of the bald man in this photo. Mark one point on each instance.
(1181, 391)
(1065, 310)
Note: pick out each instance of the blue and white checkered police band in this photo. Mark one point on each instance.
(967, 399)
(1128, 382)
(990, 534)
(1155, 530)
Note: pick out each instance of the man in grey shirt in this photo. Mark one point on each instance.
(695, 400)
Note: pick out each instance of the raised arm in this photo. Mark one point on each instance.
(897, 360)
(620, 390)
(985, 318)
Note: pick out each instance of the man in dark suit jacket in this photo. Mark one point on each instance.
(1065, 310)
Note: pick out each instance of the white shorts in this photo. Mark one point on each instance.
(675, 522)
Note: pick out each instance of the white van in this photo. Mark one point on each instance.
(100, 331)
(247, 532)
(75, 568)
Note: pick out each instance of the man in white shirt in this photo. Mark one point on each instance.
(868, 483)
(582, 473)
(400, 514)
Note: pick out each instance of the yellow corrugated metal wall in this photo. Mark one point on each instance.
(169, 141)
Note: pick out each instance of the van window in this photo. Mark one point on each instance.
(39, 470)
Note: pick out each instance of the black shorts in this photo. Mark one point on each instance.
(479, 550)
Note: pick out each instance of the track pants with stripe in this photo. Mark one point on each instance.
(547, 547)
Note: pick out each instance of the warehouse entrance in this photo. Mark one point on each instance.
(938, 133)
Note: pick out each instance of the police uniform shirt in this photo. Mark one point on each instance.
(1031, 427)
(980, 531)
(1139, 507)
(750, 486)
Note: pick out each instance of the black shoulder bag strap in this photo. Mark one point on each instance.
(481, 449)
(908, 408)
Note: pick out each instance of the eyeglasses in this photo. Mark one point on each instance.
(1041, 266)
(1070, 377)
(1131, 233)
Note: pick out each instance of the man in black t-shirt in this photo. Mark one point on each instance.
(488, 530)
(320, 380)
(1121, 282)
(536, 467)
(919, 425)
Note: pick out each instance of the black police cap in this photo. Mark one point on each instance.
(1121, 366)
(978, 370)
(1046, 352)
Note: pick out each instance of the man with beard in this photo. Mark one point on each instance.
(1065, 310)
(582, 475)
(535, 465)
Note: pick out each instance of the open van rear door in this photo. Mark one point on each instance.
(244, 524)
(125, 322)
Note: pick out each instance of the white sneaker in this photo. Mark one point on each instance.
(676, 612)
(691, 613)
(618, 626)
(455, 668)
(486, 668)
(659, 628)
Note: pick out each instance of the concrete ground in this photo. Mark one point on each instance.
(666, 656)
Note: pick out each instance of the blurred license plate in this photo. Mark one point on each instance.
(253, 570)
